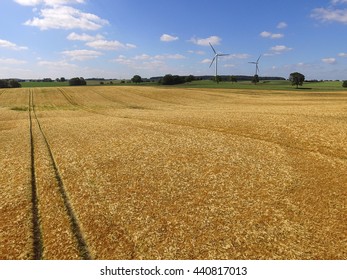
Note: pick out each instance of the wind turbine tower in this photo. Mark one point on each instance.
(256, 65)
(215, 58)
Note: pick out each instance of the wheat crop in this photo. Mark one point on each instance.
(172, 173)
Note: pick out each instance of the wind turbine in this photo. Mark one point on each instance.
(256, 65)
(215, 58)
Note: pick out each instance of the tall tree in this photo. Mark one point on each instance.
(255, 79)
(136, 79)
(297, 79)
(233, 79)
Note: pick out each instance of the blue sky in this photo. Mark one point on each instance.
(121, 38)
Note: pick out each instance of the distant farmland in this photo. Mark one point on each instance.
(172, 173)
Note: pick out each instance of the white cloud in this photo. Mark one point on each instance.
(56, 64)
(130, 46)
(214, 40)
(148, 62)
(142, 57)
(282, 25)
(277, 36)
(343, 54)
(169, 56)
(9, 45)
(330, 15)
(48, 2)
(239, 56)
(280, 49)
(168, 38)
(197, 52)
(142, 62)
(12, 61)
(207, 60)
(229, 65)
(329, 60)
(82, 55)
(64, 17)
(83, 37)
(109, 45)
(266, 34)
(335, 2)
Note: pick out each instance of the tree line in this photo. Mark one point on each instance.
(10, 84)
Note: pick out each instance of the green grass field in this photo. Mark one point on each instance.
(269, 85)
(263, 85)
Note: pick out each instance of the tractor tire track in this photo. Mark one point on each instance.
(55, 205)
(77, 105)
(37, 235)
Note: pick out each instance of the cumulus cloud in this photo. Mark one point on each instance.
(342, 54)
(142, 62)
(280, 49)
(56, 64)
(168, 38)
(335, 2)
(277, 50)
(9, 45)
(238, 56)
(82, 55)
(169, 56)
(329, 60)
(12, 61)
(48, 2)
(282, 25)
(330, 15)
(214, 40)
(148, 62)
(109, 45)
(65, 17)
(83, 37)
(197, 52)
(207, 60)
(266, 34)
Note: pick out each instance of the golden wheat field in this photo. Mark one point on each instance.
(167, 173)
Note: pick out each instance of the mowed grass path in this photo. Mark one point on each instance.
(174, 173)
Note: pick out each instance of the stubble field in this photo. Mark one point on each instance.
(167, 173)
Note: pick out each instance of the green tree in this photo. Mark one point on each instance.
(255, 79)
(14, 84)
(297, 79)
(189, 78)
(137, 79)
(233, 79)
(172, 80)
(344, 84)
(3, 84)
(217, 79)
(77, 82)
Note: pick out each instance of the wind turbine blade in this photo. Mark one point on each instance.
(224, 54)
(258, 58)
(212, 61)
(252, 62)
(213, 48)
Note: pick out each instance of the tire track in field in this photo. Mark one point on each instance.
(75, 104)
(37, 235)
(75, 229)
